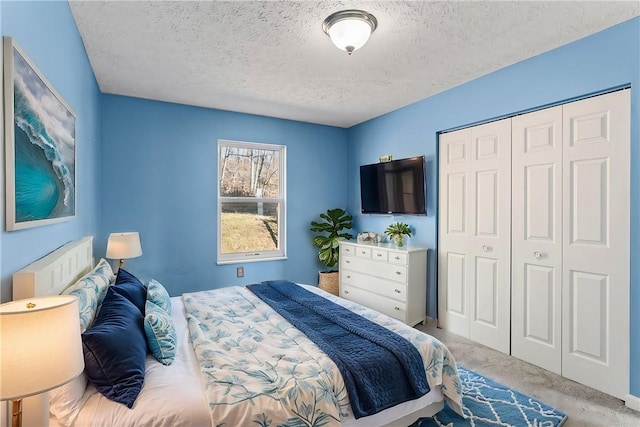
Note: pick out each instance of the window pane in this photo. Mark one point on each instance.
(248, 172)
(249, 227)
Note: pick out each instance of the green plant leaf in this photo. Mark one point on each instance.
(398, 229)
(331, 226)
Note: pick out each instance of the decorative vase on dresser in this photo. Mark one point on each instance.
(386, 278)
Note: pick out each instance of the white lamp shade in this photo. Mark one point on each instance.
(350, 32)
(124, 245)
(41, 348)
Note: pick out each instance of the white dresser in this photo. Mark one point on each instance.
(385, 278)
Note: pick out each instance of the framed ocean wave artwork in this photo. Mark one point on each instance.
(40, 146)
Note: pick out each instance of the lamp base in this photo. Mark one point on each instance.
(16, 413)
(121, 264)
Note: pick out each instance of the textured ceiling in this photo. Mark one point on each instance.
(272, 58)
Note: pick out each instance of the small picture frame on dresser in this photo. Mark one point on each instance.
(369, 237)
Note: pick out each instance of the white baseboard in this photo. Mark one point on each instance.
(632, 402)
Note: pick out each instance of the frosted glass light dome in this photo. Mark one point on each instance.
(350, 29)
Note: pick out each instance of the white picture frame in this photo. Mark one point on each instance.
(40, 146)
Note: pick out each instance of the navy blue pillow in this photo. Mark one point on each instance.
(115, 350)
(130, 287)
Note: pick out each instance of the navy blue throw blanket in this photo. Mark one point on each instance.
(380, 368)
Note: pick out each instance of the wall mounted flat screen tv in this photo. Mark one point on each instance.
(395, 187)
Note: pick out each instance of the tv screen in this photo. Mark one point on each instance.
(393, 187)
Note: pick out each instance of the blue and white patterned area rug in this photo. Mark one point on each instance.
(487, 403)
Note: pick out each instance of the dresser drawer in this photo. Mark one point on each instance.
(396, 273)
(363, 252)
(398, 258)
(347, 250)
(368, 283)
(394, 309)
(379, 254)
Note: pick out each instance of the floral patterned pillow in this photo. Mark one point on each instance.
(90, 291)
(103, 269)
(160, 333)
(157, 294)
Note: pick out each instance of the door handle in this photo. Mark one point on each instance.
(486, 248)
(537, 254)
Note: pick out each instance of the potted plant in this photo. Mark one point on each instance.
(331, 230)
(397, 231)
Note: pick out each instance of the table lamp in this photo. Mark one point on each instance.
(40, 349)
(123, 246)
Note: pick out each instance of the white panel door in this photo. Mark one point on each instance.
(453, 231)
(489, 263)
(596, 243)
(536, 254)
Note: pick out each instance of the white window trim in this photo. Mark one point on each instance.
(243, 257)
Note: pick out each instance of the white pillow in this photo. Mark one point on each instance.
(66, 401)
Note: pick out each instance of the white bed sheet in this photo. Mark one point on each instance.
(173, 395)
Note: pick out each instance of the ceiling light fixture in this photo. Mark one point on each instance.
(350, 29)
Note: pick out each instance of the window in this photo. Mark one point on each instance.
(251, 201)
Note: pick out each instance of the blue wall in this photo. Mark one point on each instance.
(605, 60)
(159, 178)
(47, 32)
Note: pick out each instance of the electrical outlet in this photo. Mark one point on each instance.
(240, 272)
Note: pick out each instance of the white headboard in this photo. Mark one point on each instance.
(51, 274)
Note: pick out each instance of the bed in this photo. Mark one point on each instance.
(182, 394)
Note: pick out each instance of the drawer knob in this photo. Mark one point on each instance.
(348, 262)
(397, 291)
(348, 277)
(398, 273)
(363, 252)
(397, 257)
(346, 292)
(379, 255)
(397, 308)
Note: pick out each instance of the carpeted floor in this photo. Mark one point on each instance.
(583, 405)
(487, 404)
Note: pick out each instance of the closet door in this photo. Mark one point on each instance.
(490, 231)
(454, 231)
(536, 255)
(475, 232)
(596, 220)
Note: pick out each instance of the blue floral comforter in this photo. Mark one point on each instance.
(258, 369)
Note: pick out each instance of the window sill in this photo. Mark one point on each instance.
(244, 261)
